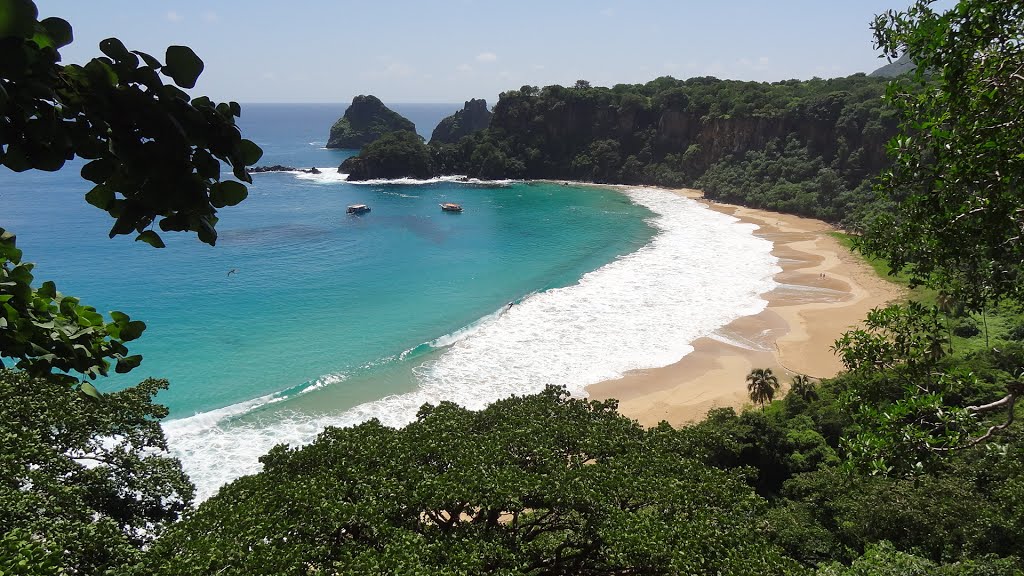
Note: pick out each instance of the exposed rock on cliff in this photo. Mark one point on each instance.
(902, 66)
(473, 117)
(805, 147)
(280, 168)
(366, 120)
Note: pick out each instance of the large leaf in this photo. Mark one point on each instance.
(227, 193)
(98, 171)
(17, 18)
(152, 238)
(132, 330)
(57, 31)
(115, 49)
(90, 390)
(251, 153)
(183, 66)
(128, 363)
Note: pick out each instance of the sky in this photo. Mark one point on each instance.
(454, 50)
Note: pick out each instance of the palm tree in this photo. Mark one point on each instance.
(936, 348)
(762, 384)
(804, 388)
(947, 304)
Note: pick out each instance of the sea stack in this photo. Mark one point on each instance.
(395, 155)
(473, 117)
(366, 120)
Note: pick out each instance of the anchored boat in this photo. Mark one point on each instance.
(358, 209)
(451, 207)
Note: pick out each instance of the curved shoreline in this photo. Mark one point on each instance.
(792, 335)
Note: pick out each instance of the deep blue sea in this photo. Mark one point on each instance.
(330, 319)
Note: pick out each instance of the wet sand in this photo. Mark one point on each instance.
(824, 290)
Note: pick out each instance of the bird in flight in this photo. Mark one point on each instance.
(232, 271)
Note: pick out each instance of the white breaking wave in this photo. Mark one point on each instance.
(466, 332)
(326, 176)
(423, 182)
(701, 271)
(332, 176)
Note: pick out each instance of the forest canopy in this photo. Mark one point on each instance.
(906, 463)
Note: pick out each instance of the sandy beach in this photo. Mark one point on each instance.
(823, 291)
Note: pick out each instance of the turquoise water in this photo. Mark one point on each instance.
(318, 295)
(330, 319)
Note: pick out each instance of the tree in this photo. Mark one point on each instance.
(958, 172)
(762, 385)
(541, 484)
(85, 482)
(803, 387)
(154, 156)
(85, 479)
(898, 402)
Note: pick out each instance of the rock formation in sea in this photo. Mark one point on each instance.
(366, 120)
(399, 154)
(280, 168)
(473, 117)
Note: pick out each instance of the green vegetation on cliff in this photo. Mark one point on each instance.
(394, 155)
(364, 121)
(808, 147)
(473, 117)
(907, 463)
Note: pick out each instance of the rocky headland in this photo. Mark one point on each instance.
(473, 117)
(366, 120)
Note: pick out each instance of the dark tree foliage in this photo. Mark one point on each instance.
(675, 130)
(45, 331)
(542, 484)
(393, 155)
(958, 170)
(154, 151)
(85, 483)
(154, 156)
(808, 147)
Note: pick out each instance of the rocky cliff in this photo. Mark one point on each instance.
(366, 120)
(897, 68)
(399, 154)
(473, 117)
(806, 147)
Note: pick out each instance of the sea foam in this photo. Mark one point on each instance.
(702, 270)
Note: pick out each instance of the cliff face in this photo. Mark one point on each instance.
(808, 147)
(473, 117)
(569, 128)
(366, 120)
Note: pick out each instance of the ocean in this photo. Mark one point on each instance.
(332, 319)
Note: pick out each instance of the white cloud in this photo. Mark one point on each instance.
(390, 68)
(486, 57)
(210, 17)
(173, 16)
(759, 65)
(397, 69)
(464, 68)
